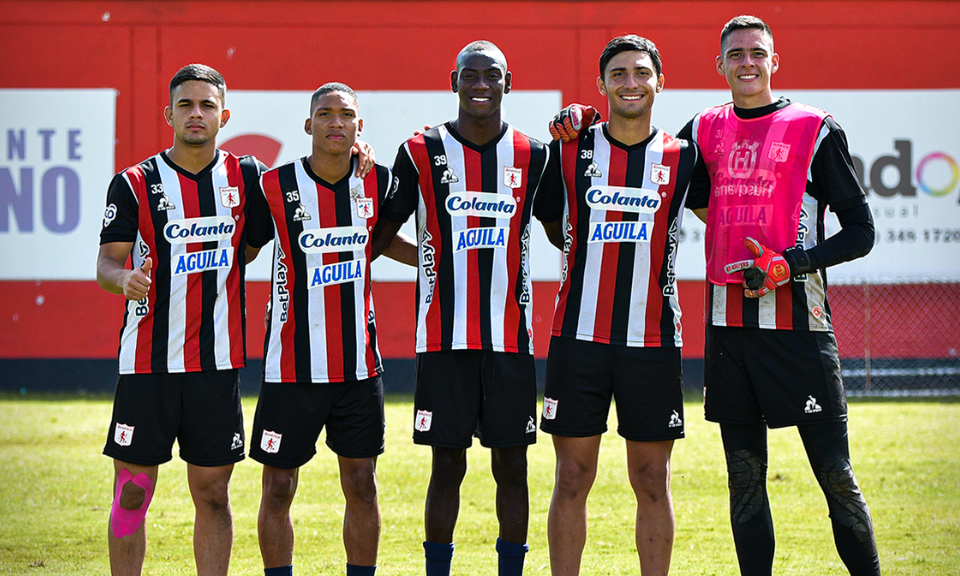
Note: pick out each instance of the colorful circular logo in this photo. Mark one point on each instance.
(951, 165)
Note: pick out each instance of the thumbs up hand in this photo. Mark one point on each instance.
(136, 284)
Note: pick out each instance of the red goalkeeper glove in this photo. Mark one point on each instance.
(763, 274)
(566, 125)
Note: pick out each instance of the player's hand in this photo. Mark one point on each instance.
(763, 274)
(566, 125)
(136, 282)
(365, 157)
(425, 128)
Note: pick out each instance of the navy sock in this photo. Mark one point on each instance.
(510, 557)
(279, 571)
(438, 558)
(354, 570)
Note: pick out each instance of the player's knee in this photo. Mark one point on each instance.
(509, 467)
(448, 466)
(744, 470)
(279, 486)
(837, 479)
(652, 483)
(359, 486)
(132, 498)
(746, 480)
(574, 479)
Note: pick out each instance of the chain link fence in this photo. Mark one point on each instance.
(898, 339)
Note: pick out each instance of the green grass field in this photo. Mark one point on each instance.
(55, 498)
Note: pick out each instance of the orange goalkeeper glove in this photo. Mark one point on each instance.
(763, 274)
(566, 125)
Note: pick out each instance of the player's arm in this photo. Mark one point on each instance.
(548, 204)
(554, 231)
(834, 182)
(566, 125)
(400, 202)
(251, 254)
(383, 236)
(260, 229)
(114, 276)
(698, 193)
(403, 249)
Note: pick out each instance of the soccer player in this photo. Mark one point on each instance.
(771, 355)
(472, 182)
(180, 217)
(616, 330)
(321, 362)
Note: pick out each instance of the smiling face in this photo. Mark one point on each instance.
(747, 60)
(630, 83)
(480, 80)
(334, 123)
(196, 113)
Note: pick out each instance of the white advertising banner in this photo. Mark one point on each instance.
(905, 144)
(56, 159)
(270, 126)
(57, 156)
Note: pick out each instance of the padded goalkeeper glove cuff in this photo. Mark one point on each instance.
(798, 259)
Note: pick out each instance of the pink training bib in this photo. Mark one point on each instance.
(758, 174)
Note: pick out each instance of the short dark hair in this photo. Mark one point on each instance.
(202, 73)
(744, 22)
(482, 47)
(328, 88)
(628, 43)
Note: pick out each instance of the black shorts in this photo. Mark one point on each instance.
(200, 410)
(582, 378)
(290, 416)
(781, 377)
(466, 393)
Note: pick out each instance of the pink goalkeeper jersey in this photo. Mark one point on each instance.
(758, 174)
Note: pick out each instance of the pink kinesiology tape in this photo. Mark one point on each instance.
(124, 522)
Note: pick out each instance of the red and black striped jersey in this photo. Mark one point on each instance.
(321, 326)
(193, 227)
(473, 206)
(622, 210)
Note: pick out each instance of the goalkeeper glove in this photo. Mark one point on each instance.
(567, 123)
(769, 269)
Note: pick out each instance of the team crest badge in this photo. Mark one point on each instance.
(364, 207)
(512, 177)
(779, 152)
(549, 408)
(423, 422)
(449, 177)
(229, 196)
(743, 158)
(123, 434)
(659, 174)
(270, 442)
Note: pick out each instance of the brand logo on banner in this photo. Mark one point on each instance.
(909, 166)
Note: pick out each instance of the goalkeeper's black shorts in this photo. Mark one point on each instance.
(781, 377)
